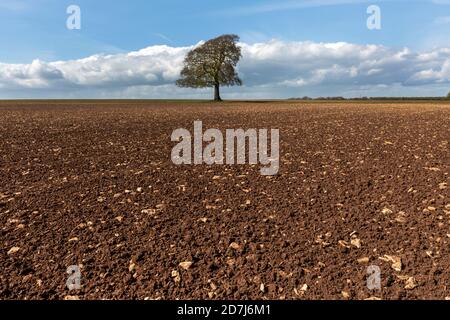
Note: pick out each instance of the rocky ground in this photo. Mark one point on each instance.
(91, 184)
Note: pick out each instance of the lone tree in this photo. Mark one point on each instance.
(212, 65)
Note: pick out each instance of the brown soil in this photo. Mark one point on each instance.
(356, 181)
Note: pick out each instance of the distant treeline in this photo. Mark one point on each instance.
(374, 98)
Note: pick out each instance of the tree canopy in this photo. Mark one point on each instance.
(212, 64)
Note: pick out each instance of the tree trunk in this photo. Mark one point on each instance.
(217, 93)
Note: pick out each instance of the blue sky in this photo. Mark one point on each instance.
(36, 29)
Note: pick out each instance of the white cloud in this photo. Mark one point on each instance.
(274, 6)
(288, 5)
(13, 5)
(150, 66)
(38, 74)
(163, 37)
(444, 2)
(442, 20)
(272, 69)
